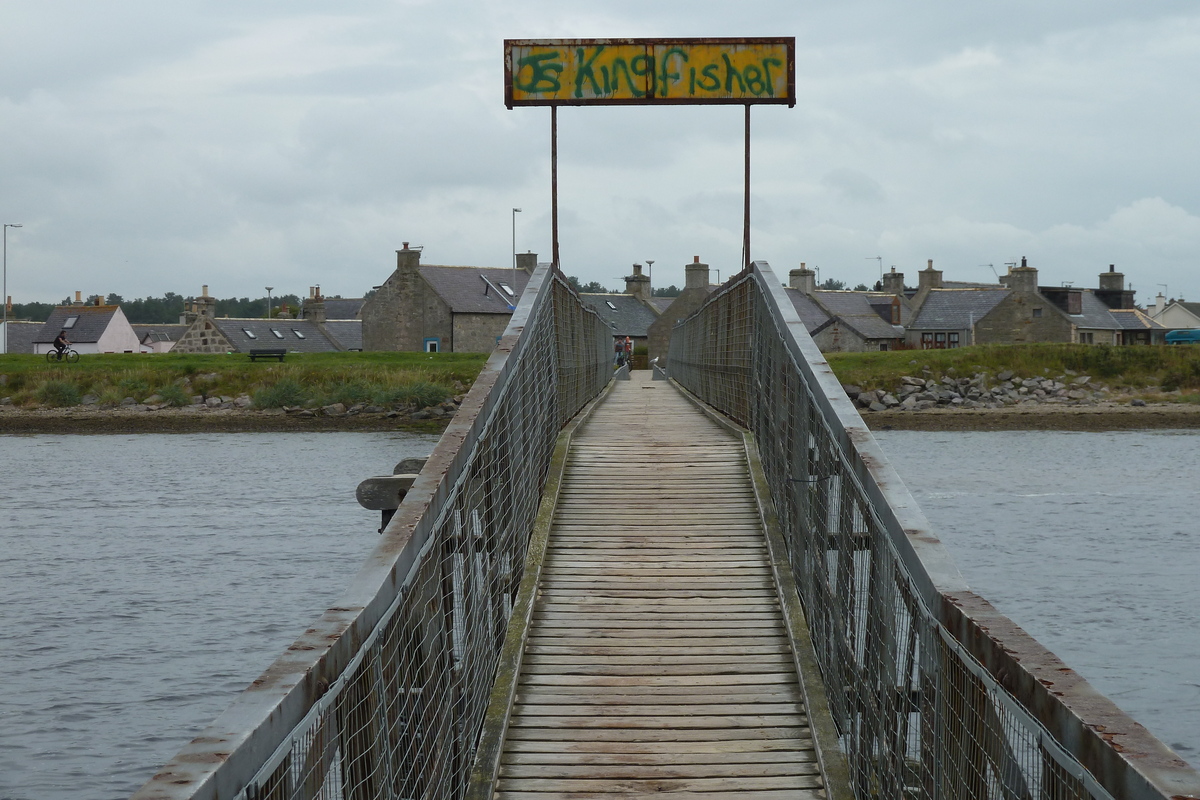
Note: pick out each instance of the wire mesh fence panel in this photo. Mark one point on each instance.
(398, 709)
(918, 714)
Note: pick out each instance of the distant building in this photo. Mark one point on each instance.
(1019, 311)
(90, 327)
(158, 338)
(696, 290)
(628, 315)
(1175, 314)
(207, 333)
(435, 308)
(849, 321)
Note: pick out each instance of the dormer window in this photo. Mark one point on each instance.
(278, 335)
(70, 323)
(249, 333)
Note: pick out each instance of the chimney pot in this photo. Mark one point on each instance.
(204, 290)
(695, 259)
(1112, 267)
(929, 264)
(406, 245)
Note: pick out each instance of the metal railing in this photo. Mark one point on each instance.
(935, 694)
(384, 696)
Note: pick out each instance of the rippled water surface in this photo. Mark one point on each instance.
(146, 580)
(1090, 541)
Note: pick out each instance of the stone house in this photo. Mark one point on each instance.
(443, 308)
(696, 290)
(91, 328)
(1019, 311)
(848, 321)
(206, 333)
(19, 335)
(630, 314)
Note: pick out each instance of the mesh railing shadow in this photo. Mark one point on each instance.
(934, 693)
(384, 696)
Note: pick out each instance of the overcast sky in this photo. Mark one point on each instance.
(152, 146)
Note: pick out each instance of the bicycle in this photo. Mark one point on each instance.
(69, 355)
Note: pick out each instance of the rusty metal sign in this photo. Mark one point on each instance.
(578, 72)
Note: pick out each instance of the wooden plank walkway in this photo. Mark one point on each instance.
(657, 661)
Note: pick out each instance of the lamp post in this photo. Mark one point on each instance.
(269, 288)
(650, 269)
(4, 291)
(514, 220)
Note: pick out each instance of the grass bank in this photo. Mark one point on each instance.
(303, 379)
(1160, 372)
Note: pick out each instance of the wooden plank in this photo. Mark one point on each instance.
(657, 660)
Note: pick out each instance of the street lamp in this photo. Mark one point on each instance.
(514, 218)
(650, 269)
(4, 291)
(269, 288)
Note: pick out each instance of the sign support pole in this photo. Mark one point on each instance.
(554, 183)
(746, 198)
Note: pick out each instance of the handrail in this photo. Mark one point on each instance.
(936, 694)
(384, 695)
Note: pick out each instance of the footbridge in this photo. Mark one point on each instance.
(705, 583)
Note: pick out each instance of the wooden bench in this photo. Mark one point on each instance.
(268, 352)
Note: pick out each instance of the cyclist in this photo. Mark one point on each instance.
(61, 343)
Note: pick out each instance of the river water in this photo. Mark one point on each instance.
(1090, 542)
(146, 580)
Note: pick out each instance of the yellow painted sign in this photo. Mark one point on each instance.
(649, 71)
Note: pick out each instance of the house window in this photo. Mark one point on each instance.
(939, 341)
(70, 323)
(1087, 338)
(1037, 312)
(611, 305)
(278, 335)
(952, 339)
(926, 341)
(299, 335)
(249, 333)
(507, 289)
(433, 345)
(883, 346)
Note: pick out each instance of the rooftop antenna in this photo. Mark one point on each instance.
(880, 260)
(1164, 289)
(1067, 284)
(992, 267)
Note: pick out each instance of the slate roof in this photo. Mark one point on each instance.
(89, 326)
(662, 303)
(343, 307)
(1134, 319)
(22, 334)
(158, 333)
(811, 314)
(854, 309)
(955, 309)
(347, 332)
(1093, 313)
(296, 335)
(475, 290)
(630, 317)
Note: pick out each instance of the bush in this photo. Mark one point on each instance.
(58, 394)
(286, 392)
(421, 394)
(174, 395)
(349, 393)
(134, 386)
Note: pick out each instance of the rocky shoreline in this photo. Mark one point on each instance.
(1009, 402)
(222, 415)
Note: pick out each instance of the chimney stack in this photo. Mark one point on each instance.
(696, 275)
(78, 298)
(408, 260)
(929, 278)
(893, 282)
(1112, 280)
(1021, 279)
(638, 284)
(803, 280)
(526, 262)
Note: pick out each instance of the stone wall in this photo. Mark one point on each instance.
(477, 333)
(1024, 317)
(203, 337)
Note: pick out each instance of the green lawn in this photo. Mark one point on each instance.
(386, 379)
(1169, 367)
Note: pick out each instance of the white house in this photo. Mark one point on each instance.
(90, 329)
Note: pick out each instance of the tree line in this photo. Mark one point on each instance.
(167, 309)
